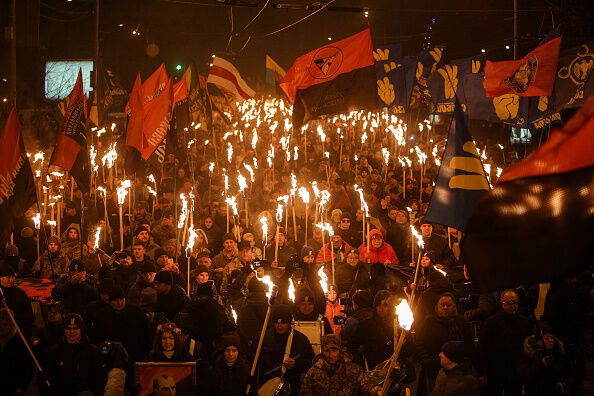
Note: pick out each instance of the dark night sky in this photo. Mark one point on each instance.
(192, 30)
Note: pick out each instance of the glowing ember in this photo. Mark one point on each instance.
(405, 315)
(37, 220)
(323, 279)
(97, 238)
(304, 195)
(122, 191)
(291, 290)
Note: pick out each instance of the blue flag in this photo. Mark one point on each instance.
(388, 68)
(461, 180)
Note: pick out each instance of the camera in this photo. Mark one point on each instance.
(257, 263)
(339, 320)
(294, 262)
(121, 255)
(106, 348)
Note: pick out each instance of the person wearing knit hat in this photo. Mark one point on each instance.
(456, 375)
(379, 251)
(307, 251)
(58, 265)
(226, 255)
(331, 373)
(335, 216)
(145, 279)
(172, 298)
(76, 289)
(275, 340)
(442, 253)
(230, 372)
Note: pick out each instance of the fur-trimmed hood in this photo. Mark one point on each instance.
(534, 348)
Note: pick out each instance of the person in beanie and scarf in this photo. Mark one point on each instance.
(250, 317)
(230, 371)
(77, 289)
(74, 365)
(274, 345)
(172, 298)
(59, 262)
(13, 259)
(456, 376)
(333, 373)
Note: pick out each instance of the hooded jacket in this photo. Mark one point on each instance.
(340, 379)
(378, 255)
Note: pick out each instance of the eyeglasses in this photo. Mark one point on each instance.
(345, 221)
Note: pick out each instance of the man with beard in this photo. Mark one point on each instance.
(142, 235)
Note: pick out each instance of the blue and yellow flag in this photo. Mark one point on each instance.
(574, 82)
(448, 80)
(388, 70)
(461, 180)
(274, 73)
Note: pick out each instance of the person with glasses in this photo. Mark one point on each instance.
(347, 232)
(501, 343)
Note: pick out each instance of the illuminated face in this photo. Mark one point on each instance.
(72, 233)
(445, 307)
(167, 341)
(202, 277)
(205, 260)
(392, 214)
(331, 355)
(229, 245)
(282, 328)
(138, 251)
(332, 295)
(425, 261)
(549, 341)
(118, 304)
(337, 240)
(231, 355)
(306, 307)
(7, 281)
(510, 302)
(53, 247)
(401, 218)
(352, 259)
(73, 334)
(143, 236)
(280, 237)
(309, 258)
(426, 230)
(246, 255)
(149, 277)
(345, 224)
(336, 217)
(376, 241)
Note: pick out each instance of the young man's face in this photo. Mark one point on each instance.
(229, 245)
(138, 251)
(53, 247)
(331, 355)
(72, 234)
(426, 230)
(202, 277)
(72, 334)
(345, 223)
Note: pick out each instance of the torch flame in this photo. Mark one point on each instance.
(37, 220)
(405, 315)
(97, 237)
(291, 290)
(268, 282)
(122, 191)
(242, 182)
(419, 237)
(192, 235)
(323, 279)
(304, 195)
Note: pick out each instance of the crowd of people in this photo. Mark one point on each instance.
(153, 300)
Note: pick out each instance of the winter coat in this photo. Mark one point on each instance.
(16, 365)
(125, 277)
(341, 379)
(334, 309)
(372, 340)
(326, 254)
(351, 236)
(350, 279)
(398, 236)
(92, 261)
(544, 373)
(209, 321)
(442, 253)
(74, 368)
(173, 302)
(229, 380)
(59, 262)
(20, 303)
(273, 352)
(75, 296)
(500, 345)
(133, 296)
(90, 316)
(350, 326)
(459, 381)
(378, 255)
(128, 326)
(250, 318)
(436, 331)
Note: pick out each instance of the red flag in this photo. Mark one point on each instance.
(180, 91)
(134, 109)
(533, 75)
(326, 63)
(153, 85)
(157, 114)
(70, 153)
(17, 187)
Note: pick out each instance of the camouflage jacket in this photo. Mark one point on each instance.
(322, 379)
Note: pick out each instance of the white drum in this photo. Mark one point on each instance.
(313, 331)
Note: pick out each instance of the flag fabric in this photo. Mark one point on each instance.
(17, 186)
(445, 83)
(533, 75)
(70, 153)
(574, 82)
(114, 93)
(535, 225)
(152, 86)
(157, 116)
(274, 73)
(336, 78)
(134, 137)
(461, 180)
(226, 77)
(391, 90)
(429, 60)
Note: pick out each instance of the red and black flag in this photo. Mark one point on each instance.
(134, 137)
(533, 75)
(17, 186)
(536, 225)
(70, 153)
(336, 78)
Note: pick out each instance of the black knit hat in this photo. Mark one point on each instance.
(159, 252)
(281, 314)
(148, 266)
(164, 277)
(255, 286)
(139, 229)
(73, 319)
(230, 339)
(454, 351)
(116, 293)
(229, 236)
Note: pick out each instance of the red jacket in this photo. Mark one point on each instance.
(379, 255)
(325, 252)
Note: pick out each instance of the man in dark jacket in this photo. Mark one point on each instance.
(145, 279)
(351, 275)
(90, 315)
(251, 316)
(500, 345)
(372, 341)
(16, 299)
(273, 350)
(126, 272)
(443, 255)
(436, 330)
(362, 310)
(172, 298)
(74, 365)
(124, 323)
(16, 365)
(77, 289)
(456, 376)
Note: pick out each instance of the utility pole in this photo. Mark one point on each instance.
(13, 53)
(97, 69)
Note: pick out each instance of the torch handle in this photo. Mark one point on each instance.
(393, 362)
(121, 227)
(259, 348)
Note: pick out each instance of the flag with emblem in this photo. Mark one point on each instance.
(535, 226)
(429, 60)
(17, 186)
(445, 83)
(574, 82)
(461, 180)
(336, 78)
(70, 153)
(533, 75)
(389, 71)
